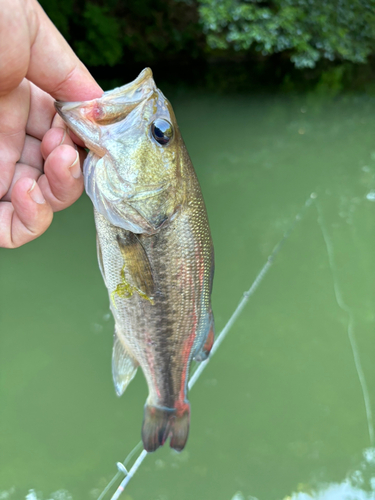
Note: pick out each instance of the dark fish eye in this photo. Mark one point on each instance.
(162, 131)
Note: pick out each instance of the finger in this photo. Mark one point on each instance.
(14, 47)
(14, 110)
(62, 183)
(34, 48)
(41, 113)
(55, 137)
(26, 217)
(31, 154)
(21, 171)
(59, 134)
(64, 75)
(59, 122)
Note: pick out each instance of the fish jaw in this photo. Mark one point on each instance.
(86, 118)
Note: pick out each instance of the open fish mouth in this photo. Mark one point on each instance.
(114, 105)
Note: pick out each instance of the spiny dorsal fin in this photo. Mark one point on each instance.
(137, 263)
(124, 367)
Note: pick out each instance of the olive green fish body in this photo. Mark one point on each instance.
(154, 248)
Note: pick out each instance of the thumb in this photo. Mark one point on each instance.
(31, 46)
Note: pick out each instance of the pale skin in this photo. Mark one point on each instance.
(40, 163)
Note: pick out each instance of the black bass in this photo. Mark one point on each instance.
(154, 246)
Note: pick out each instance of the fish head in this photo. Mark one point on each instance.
(134, 173)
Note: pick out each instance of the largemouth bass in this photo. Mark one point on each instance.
(154, 246)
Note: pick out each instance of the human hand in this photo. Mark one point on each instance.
(40, 165)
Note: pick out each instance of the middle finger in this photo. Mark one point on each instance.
(21, 171)
(41, 114)
(31, 154)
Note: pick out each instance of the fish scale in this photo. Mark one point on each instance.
(154, 247)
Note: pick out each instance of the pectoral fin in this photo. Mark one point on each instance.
(137, 265)
(124, 366)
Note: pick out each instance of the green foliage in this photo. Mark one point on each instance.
(331, 81)
(266, 35)
(60, 13)
(307, 30)
(115, 32)
(102, 44)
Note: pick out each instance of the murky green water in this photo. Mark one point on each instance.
(280, 412)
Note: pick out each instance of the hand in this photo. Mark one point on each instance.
(40, 165)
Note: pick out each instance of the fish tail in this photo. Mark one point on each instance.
(180, 423)
(156, 426)
(160, 422)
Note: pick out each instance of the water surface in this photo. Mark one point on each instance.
(284, 409)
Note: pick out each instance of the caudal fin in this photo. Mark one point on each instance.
(160, 422)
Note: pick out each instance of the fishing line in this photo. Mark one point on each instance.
(350, 328)
(193, 379)
(121, 471)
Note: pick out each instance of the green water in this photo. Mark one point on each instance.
(280, 411)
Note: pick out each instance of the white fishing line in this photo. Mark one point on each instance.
(350, 329)
(219, 340)
(119, 473)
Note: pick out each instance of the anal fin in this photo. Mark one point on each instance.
(124, 366)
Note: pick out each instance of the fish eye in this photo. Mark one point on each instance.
(162, 131)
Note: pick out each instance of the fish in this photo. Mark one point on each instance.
(154, 246)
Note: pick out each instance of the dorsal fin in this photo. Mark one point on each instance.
(124, 366)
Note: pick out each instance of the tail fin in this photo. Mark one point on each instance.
(180, 423)
(160, 422)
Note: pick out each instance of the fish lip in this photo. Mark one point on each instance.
(62, 107)
(145, 77)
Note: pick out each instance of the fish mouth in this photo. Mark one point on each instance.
(114, 106)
